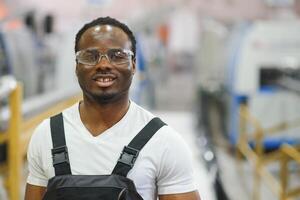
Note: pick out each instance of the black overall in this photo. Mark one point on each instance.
(116, 186)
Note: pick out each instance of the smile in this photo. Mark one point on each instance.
(104, 82)
(104, 79)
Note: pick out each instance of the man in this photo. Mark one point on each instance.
(98, 127)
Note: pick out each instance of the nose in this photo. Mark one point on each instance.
(103, 62)
(105, 56)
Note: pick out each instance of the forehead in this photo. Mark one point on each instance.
(104, 36)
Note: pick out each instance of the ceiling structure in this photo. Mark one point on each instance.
(149, 10)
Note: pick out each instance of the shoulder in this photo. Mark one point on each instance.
(170, 138)
(140, 113)
(71, 114)
(40, 139)
(41, 130)
(166, 145)
(166, 135)
(173, 161)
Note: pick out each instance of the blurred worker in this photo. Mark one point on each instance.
(87, 143)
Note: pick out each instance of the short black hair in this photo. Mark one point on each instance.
(107, 21)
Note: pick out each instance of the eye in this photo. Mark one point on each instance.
(89, 55)
(118, 54)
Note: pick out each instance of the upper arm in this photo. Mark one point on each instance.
(36, 153)
(176, 167)
(184, 196)
(34, 192)
(37, 180)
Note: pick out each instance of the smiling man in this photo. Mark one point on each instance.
(76, 155)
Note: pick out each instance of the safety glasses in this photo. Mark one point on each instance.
(92, 57)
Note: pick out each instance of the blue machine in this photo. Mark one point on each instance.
(263, 66)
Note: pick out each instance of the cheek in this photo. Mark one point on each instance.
(127, 74)
(78, 71)
(128, 78)
(82, 75)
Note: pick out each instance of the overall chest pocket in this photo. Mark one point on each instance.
(83, 187)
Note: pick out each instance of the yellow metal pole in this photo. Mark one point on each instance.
(242, 133)
(283, 177)
(259, 159)
(290, 154)
(259, 148)
(257, 180)
(14, 156)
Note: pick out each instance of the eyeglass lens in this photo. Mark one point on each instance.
(93, 56)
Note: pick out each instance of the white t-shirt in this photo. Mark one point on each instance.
(163, 166)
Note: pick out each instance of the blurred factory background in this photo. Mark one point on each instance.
(224, 73)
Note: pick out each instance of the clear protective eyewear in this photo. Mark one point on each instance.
(115, 56)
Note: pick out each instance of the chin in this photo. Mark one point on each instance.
(106, 97)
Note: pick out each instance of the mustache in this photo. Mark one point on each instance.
(104, 75)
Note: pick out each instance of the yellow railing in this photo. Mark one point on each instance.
(17, 137)
(289, 154)
(11, 137)
(29, 124)
(260, 160)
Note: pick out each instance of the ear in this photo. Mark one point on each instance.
(133, 66)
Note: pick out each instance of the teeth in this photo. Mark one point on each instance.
(105, 79)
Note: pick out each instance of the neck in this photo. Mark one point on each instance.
(98, 117)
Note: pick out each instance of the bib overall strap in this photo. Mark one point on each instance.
(131, 151)
(60, 155)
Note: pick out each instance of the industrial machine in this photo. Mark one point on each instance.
(263, 73)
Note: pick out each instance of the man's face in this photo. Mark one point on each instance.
(105, 81)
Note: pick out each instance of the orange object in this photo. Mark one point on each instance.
(3, 10)
(163, 33)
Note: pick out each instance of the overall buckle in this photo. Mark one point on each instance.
(128, 156)
(60, 155)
